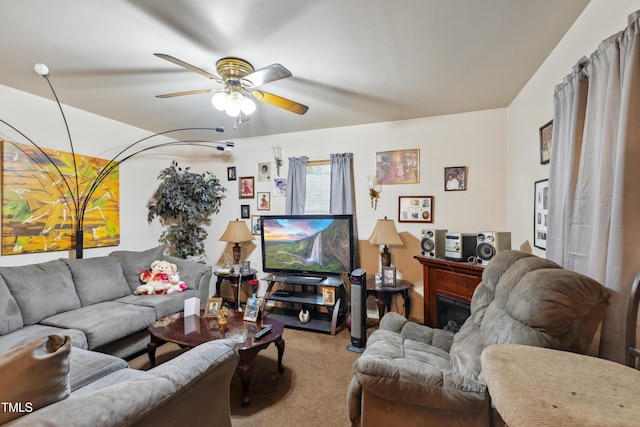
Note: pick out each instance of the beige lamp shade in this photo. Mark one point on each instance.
(385, 233)
(237, 232)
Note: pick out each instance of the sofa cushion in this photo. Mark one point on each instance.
(10, 316)
(105, 322)
(135, 261)
(29, 333)
(98, 279)
(89, 366)
(164, 304)
(41, 290)
(34, 375)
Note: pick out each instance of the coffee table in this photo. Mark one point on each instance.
(191, 331)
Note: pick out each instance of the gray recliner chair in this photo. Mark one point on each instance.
(411, 374)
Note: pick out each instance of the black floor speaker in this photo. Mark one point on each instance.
(358, 280)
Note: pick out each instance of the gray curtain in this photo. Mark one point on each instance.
(296, 186)
(342, 194)
(594, 201)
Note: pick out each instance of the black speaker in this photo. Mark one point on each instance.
(358, 280)
(433, 243)
(490, 243)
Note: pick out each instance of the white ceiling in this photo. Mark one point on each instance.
(353, 61)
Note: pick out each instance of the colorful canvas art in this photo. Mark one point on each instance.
(38, 213)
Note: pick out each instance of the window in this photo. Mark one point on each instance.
(318, 182)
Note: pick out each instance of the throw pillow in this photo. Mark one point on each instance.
(135, 261)
(33, 376)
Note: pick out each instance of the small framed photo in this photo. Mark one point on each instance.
(415, 209)
(264, 171)
(246, 187)
(264, 200)
(545, 142)
(280, 187)
(245, 212)
(252, 310)
(328, 295)
(231, 173)
(256, 224)
(455, 178)
(212, 309)
(388, 276)
(541, 213)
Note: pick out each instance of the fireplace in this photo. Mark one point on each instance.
(451, 313)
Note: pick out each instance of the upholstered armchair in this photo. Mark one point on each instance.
(411, 374)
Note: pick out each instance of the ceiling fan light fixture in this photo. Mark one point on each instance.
(248, 106)
(220, 101)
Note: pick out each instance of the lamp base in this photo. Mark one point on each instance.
(236, 253)
(385, 257)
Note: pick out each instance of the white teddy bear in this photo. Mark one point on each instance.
(162, 278)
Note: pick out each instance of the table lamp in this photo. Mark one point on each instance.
(237, 232)
(385, 233)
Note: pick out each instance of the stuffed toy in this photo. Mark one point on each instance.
(161, 278)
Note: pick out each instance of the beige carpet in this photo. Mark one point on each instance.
(310, 392)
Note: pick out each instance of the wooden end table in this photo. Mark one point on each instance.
(384, 294)
(235, 279)
(192, 331)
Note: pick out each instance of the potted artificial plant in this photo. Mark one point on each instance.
(183, 202)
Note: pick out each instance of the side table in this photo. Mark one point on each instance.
(235, 280)
(384, 295)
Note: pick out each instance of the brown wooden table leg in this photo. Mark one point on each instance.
(407, 303)
(248, 361)
(280, 346)
(151, 349)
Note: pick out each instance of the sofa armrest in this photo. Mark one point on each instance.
(191, 389)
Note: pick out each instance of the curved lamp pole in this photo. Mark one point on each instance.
(80, 204)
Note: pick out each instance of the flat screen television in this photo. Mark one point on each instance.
(315, 245)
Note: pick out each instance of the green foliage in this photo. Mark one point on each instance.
(183, 202)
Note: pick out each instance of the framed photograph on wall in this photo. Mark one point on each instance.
(415, 209)
(246, 187)
(245, 212)
(231, 173)
(545, 142)
(280, 187)
(264, 200)
(455, 178)
(264, 171)
(388, 276)
(398, 167)
(256, 224)
(540, 214)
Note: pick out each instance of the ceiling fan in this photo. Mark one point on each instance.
(239, 80)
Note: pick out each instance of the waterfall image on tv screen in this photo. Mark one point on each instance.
(307, 244)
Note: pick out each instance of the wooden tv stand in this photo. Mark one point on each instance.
(452, 279)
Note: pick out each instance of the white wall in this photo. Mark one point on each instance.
(476, 140)
(533, 107)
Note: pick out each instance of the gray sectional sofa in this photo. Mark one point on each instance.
(91, 301)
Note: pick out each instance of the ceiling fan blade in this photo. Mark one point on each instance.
(189, 92)
(279, 101)
(189, 67)
(266, 75)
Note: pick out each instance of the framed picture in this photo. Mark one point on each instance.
(212, 309)
(280, 187)
(545, 142)
(455, 178)
(540, 214)
(231, 173)
(246, 187)
(252, 310)
(328, 295)
(245, 212)
(264, 200)
(415, 209)
(398, 167)
(256, 224)
(388, 276)
(264, 171)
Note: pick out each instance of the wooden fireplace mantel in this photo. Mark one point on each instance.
(453, 279)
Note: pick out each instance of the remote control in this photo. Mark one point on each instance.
(262, 332)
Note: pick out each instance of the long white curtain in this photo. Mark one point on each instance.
(594, 181)
(342, 194)
(296, 186)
